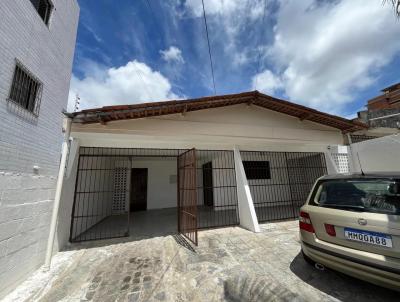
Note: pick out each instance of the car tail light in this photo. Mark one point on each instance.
(305, 222)
(330, 229)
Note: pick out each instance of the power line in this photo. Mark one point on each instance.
(209, 47)
(259, 53)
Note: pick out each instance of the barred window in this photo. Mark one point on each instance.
(25, 90)
(257, 169)
(44, 9)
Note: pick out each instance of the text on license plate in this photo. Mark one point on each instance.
(368, 237)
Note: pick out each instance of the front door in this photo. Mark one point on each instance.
(208, 195)
(187, 195)
(139, 189)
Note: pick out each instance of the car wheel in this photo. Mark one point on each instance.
(308, 259)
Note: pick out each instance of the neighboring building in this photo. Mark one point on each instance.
(37, 42)
(382, 115)
(217, 161)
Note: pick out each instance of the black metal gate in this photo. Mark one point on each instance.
(216, 189)
(206, 187)
(101, 200)
(187, 195)
(281, 181)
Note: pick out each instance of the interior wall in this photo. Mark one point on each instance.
(161, 180)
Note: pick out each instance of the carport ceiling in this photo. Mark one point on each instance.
(124, 112)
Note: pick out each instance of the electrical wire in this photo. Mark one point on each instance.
(209, 48)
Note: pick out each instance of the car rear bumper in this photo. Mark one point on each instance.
(377, 274)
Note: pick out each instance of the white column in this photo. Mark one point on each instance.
(247, 213)
(60, 180)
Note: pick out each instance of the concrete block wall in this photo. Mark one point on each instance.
(26, 196)
(25, 209)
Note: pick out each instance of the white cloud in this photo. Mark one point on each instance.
(267, 82)
(228, 19)
(326, 51)
(225, 7)
(172, 54)
(133, 83)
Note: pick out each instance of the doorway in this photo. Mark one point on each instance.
(138, 200)
(208, 194)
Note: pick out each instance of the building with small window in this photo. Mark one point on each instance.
(37, 43)
(237, 159)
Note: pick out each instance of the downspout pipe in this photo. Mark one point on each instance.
(57, 199)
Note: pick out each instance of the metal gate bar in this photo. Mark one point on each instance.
(280, 181)
(98, 188)
(216, 189)
(102, 191)
(187, 196)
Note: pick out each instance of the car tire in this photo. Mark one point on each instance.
(308, 259)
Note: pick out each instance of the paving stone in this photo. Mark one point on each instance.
(230, 264)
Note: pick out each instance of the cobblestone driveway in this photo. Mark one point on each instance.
(229, 264)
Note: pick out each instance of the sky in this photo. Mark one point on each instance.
(330, 55)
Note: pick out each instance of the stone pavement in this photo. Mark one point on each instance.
(230, 264)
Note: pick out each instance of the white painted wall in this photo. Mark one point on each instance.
(26, 198)
(376, 155)
(161, 192)
(247, 213)
(248, 128)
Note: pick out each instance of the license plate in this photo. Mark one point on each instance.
(368, 237)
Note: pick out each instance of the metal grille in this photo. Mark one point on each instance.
(341, 161)
(206, 187)
(25, 90)
(101, 208)
(360, 138)
(98, 183)
(216, 189)
(187, 196)
(291, 178)
(120, 195)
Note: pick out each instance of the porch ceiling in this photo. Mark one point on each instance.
(124, 112)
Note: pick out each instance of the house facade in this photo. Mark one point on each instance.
(36, 53)
(226, 160)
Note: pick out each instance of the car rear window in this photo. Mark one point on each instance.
(369, 195)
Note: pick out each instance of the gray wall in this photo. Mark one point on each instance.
(25, 141)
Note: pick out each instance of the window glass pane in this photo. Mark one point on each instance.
(35, 3)
(257, 169)
(44, 8)
(370, 195)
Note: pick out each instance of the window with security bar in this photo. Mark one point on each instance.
(257, 169)
(44, 9)
(25, 90)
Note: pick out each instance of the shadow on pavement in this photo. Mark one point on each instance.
(340, 286)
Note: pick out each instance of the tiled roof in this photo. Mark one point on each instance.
(124, 112)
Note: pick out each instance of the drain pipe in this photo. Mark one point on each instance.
(57, 199)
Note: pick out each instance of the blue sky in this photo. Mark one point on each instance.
(329, 55)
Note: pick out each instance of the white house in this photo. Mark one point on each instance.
(37, 43)
(225, 160)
